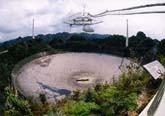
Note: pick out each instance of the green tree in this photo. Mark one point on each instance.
(141, 35)
(15, 105)
(161, 47)
(80, 108)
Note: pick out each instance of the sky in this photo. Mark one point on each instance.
(16, 17)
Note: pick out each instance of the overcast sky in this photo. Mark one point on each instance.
(16, 17)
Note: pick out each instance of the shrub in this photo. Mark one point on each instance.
(80, 108)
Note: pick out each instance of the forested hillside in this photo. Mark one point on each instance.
(104, 99)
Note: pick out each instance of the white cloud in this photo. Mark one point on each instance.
(16, 17)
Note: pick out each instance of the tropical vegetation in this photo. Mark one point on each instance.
(126, 96)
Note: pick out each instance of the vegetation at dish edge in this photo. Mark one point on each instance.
(120, 98)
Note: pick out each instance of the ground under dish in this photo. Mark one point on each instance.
(57, 75)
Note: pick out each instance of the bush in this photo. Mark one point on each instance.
(15, 105)
(42, 97)
(80, 108)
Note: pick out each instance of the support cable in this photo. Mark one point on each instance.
(130, 8)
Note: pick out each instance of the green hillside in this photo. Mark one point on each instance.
(120, 98)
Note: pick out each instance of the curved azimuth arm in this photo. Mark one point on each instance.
(112, 12)
(82, 23)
